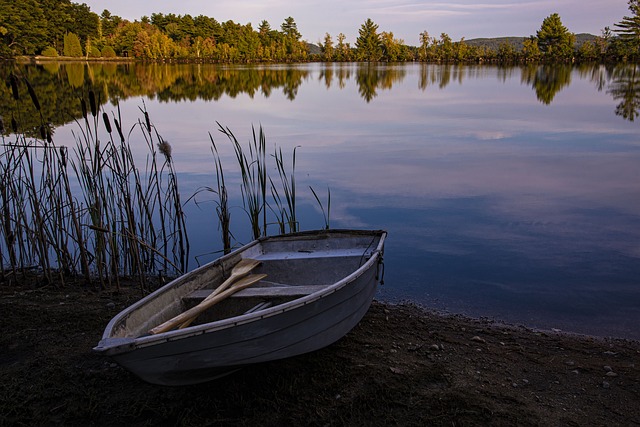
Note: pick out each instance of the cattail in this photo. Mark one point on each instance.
(1, 125)
(43, 132)
(165, 148)
(49, 137)
(63, 156)
(14, 87)
(146, 118)
(119, 129)
(14, 124)
(32, 93)
(107, 123)
(83, 105)
(92, 103)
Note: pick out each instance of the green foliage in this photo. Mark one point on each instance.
(49, 52)
(507, 52)
(108, 52)
(94, 52)
(29, 26)
(25, 30)
(530, 49)
(629, 30)
(290, 29)
(368, 44)
(327, 48)
(554, 40)
(547, 80)
(72, 46)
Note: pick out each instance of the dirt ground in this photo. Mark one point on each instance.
(400, 366)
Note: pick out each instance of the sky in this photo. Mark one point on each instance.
(406, 19)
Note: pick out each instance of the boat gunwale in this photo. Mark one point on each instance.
(119, 345)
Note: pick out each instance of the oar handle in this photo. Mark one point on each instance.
(204, 305)
(240, 270)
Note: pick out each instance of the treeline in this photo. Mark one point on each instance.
(60, 27)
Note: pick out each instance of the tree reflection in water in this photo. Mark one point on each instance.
(625, 87)
(61, 85)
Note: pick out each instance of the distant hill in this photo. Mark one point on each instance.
(313, 49)
(494, 43)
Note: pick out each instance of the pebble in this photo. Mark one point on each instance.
(607, 368)
(111, 305)
(605, 384)
(435, 347)
(611, 374)
(478, 339)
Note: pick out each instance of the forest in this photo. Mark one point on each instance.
(61, 28)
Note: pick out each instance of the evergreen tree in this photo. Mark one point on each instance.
(554, 40)
(343, 52)
(327, 47)
(290, 29)
(368, 45)
(629, 28)
(423, 50)
(530, 49)
(72, 45)
(264, 28)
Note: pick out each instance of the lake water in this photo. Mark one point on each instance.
(511, 193)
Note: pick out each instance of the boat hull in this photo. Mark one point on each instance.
(208, 351)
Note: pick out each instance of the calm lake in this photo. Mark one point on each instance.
(511, 193)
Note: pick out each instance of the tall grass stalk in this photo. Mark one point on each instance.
(288, 181)
(325, 214)
(94, 213)
(253, 173)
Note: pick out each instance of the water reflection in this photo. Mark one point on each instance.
(501, 196)
(625, 87)
(60, 86)
(547, 80)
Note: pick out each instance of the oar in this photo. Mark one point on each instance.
(193, 312)
(240, 270)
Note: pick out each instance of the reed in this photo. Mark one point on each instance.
(254, 177)
(287, 212)
(325, 214)
(253, 173)
(93, 212)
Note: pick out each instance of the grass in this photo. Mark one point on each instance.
(92, 212)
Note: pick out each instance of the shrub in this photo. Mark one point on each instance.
(50, 52)
(72, 45)
(94, 52)
(108, 52)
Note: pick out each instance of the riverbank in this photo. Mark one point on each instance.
(400, 366)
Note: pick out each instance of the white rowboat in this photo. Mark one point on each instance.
(318, 286)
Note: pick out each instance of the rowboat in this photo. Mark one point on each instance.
(306, 290)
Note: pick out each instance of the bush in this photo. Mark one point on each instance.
(94, 52)
(108, 52)
(50, 52)
(72, 46)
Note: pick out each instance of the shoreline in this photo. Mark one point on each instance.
(565, 330)
(401, 365)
